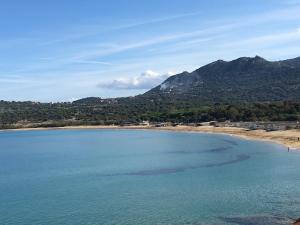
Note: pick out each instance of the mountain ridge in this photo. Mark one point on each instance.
(244, 89)
(243, 79)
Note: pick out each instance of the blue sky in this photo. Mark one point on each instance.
(65, 50)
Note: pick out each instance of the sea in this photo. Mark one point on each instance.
(136, 177)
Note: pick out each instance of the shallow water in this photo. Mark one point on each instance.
(91, 177)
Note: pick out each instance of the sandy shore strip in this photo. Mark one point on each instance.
(288, 138)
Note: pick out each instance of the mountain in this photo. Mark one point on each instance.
(244, 79)
(245, 89)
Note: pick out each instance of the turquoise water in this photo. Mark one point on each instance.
(91, 177)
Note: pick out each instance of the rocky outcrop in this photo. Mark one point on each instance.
(297, 222)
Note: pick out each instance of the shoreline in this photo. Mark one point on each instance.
(288, 138)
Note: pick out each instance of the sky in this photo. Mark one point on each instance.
(63, 50)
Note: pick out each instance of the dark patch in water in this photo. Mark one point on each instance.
(188, 223)
(213, 150)
(158, 171)
(238, 158)
(218, 149)
(230, 141)
(257, 220)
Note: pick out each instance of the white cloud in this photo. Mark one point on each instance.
(146, 80)
(93, 62)
(72, 99)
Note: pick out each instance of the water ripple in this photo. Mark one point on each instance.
(160, 171)
(212, 150)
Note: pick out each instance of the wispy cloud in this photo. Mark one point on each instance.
(93, 62)
(90, 51)
(149, 42)
(97, 29)
(290, 13)
(146, 80)
(82, 31)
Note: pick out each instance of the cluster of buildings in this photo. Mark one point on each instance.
(258, 125)
(268, 126)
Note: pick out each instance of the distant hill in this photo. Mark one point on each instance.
(245, 89)
(244, 79)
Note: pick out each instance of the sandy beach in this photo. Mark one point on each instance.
(289, 138)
